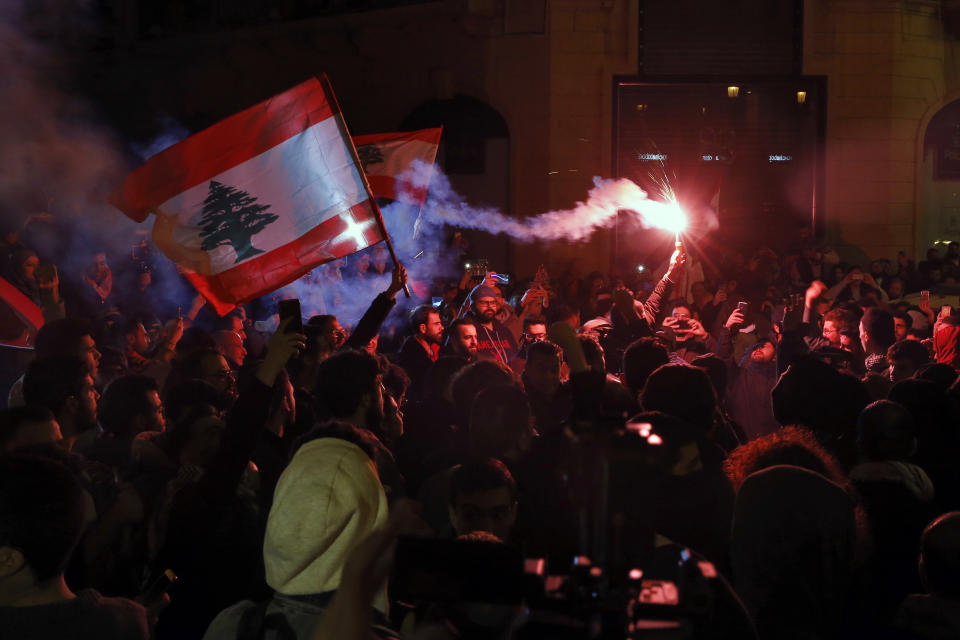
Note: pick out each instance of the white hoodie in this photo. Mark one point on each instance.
(327, 500)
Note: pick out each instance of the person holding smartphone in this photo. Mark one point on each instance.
(855, 285)
(691, 339)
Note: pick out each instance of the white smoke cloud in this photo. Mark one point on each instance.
(599, 211)
(56, 157)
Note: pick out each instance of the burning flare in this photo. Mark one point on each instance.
(605, 199)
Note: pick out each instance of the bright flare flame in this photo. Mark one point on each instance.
(668, 216)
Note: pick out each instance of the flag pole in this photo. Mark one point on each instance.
(328, 88)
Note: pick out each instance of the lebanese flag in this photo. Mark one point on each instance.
(386, 156)
(259, 199)
(20, 317)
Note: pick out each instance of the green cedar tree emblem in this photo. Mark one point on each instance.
(369, 154)
(232, 216)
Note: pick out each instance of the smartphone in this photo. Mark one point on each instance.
(946, 309)
(925, 298)
(683, 323)
(742, 307)
(46, 272)
(430, 570)
(291, 309)
(160, 586)
(856, 277)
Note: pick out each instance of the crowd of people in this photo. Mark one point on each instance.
(786, 420)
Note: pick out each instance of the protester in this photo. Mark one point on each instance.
(43, 513)
(935, 614)
(897, 496)
(794, 541)
(422, 347)
(206, 443)
(483, 497)
(462, 339)
(494, 340)
(328, 500)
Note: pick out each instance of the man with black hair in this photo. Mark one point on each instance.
(129, 406)
(534, 330)
(210, 366)
(350, 388)
(904, 359)
(43, 513)
(422, 347)
(63, 385)
(332, 336)
(462, 339)
(483, 497)
(877, 334)
(27, 426)
(690, 337)
(64, 337)
(150, 357)
(551, 400)
(902, 323)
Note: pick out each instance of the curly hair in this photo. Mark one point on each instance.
(790, 445)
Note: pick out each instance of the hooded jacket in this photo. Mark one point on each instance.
(327, 501)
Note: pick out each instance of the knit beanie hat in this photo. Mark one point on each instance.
(327, 500)
(482, 291)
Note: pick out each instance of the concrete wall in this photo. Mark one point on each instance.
(888, 73)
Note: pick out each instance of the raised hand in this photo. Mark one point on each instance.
(696, 328)
(398, 281)
(677, 260)
(814, 291)
(280, 349)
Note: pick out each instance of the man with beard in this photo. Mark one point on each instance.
(65, 337)
(494, 340)
(422, 348)
(63, 385)
(461, 339)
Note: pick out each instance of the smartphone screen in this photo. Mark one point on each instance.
(291, 309)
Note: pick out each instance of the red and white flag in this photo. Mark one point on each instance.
(20, 317)
(259, 199)
(385, 156)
